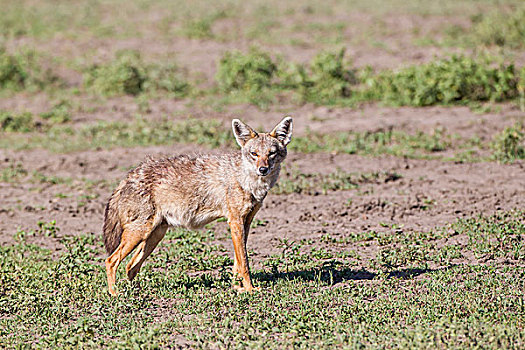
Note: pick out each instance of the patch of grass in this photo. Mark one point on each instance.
(457, 80)
(374, 143)
(257, 76)
(47, 18)
(17, 122)
(125, 75)
(251, 72)
(24, 70)
(129, 74)
(25, 122)
(505, 28)
(247, 77)
(211, 133)
(326, 81)
(329, 80)
(13, 172)
(310, 297)
(509, 145)
(198, 28)
(166, 78)
(16, 173)
(497, 236)
(141, 132)
(521, 89)
(487, 237)
(60, 113)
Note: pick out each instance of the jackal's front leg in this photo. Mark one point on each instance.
(241, 267)
(247, 223)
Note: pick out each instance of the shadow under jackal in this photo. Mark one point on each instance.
(190, 192)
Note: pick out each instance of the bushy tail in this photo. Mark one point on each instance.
(112, 228)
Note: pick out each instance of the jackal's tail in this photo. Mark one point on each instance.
(112, 228)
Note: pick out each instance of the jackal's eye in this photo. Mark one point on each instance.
(272, 153)
(254, 154)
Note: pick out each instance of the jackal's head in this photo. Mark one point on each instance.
(263, 152)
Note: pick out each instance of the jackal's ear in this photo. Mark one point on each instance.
(242, 132)
(283, 131)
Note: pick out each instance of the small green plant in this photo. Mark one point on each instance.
(48, 229)
(504, 28)
(26, 121)
(326, 81)
(458, 79)
(509, 144)
(13, 172)
(17, 122)
(330, 80)
(167, 78)
(129, 74)
(59, 113)
(23, 70)
(125, 75)
(249, 72)
(198, 28)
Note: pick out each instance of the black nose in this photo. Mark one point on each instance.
(263, 170)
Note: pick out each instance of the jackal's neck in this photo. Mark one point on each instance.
(258, 186)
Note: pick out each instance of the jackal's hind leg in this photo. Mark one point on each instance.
(133, 267)
(129, 241)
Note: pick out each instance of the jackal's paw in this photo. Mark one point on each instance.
(112, 292)
(241, 289)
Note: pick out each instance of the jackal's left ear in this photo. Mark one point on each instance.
(242, 132)
(283, 131)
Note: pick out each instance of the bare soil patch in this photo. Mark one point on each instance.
(428, 194)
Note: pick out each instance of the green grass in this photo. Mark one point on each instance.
(211, 133)
(509, 144)
(311, 297)
(329, 79)
(17, 122)
(26, 122)
(255, 77)
(456, 80)
(141, 132)
(198, 28)
(24, 70)
(503, 27)
(128, 74)
(250, 72)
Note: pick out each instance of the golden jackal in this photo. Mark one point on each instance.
(191, 192)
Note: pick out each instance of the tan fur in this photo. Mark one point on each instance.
(191, 192)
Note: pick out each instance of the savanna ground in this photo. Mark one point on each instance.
(398, 220)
